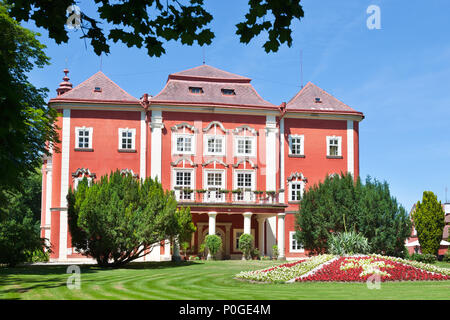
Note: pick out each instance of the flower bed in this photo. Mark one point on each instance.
(284, 272)
(359, 269)
(348, 269)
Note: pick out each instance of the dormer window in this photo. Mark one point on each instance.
(318, 100)
(228, 92)
(195, 90)
(97, 89)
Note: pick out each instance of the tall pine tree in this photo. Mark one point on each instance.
(429, 221)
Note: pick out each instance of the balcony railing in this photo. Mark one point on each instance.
(242, 196)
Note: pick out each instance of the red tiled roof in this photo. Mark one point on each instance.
(85, 92)
(305, 99)
(212, 81)
(208, 73)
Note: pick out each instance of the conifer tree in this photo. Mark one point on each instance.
(120, 218)
(429, 221)
(340, 204)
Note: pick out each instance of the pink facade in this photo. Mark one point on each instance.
(239, 162)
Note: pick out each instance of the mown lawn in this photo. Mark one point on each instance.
(193, 280)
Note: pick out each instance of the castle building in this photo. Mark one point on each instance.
(238, 161)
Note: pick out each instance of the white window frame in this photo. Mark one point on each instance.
(205, 177)
(174, 179)
(291, 240)
(77, 180)
(250, 194)
(205, 143)
(235, 242)
(302, 189)
(253, 150)
(339, 138)
(175, 136)
(77, 136)
(213, 196)
(302, 144)
(133, 138)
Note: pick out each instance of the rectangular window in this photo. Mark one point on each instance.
(214, 180)
(296, 145)
(183, 181)
(238, 234)
(296, 190)
(334, 146)
(294, 246)
(245, 181)
(245, 146)
(215, 145)
(83, 138)
(127, 138)
(183, 144)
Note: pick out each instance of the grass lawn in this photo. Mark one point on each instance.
(194, 280)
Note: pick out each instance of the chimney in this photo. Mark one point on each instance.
(65, 85)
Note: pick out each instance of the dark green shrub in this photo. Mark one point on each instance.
(213, 243)
(256, 254)
(246, 245)
(275, 251)
(429, 221)
(425, 257)
(446, 257)
(368, 208)
(343, 243)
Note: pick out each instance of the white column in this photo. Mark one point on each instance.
(143, 151)
(48, 199)
(247, 222)
(65, 150)
(271, 155)
(350, 148)
(280, 239)
(212, 227)
(212, 222)
(282, 181)
(271, 233)
(261, 233)
(156, 137)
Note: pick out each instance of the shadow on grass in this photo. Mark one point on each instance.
(25, 278)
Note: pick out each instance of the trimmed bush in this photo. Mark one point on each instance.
(246, 245)
(213, 243)
(343, 243)
(425, 257)
(275, 251)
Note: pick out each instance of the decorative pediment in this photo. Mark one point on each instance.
(184, 125)
(216, 161)
(128, 171)
(188, 159)
(84, 173)
(215, 123)
(297, 176)
(245, 127)
(245, 160)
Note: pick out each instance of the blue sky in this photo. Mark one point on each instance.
(398, 76)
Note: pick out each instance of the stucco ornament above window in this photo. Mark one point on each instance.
(84, 173)
(246, 127)
(215, 123)
(215, 160)
(245, 160)
(128, 171)
(297, 176)
(176, 127)
(175, 163)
